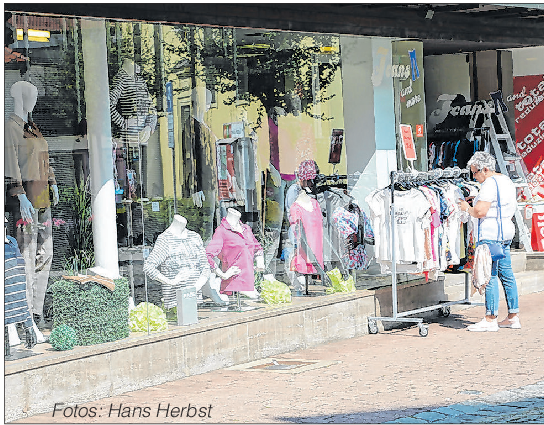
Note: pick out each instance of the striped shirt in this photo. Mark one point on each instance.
(15, 303)
(131, 106)
(173, 254)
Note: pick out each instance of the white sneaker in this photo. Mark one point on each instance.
(484, 326)
(512, 323)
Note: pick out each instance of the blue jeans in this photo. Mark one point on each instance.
(501, 269)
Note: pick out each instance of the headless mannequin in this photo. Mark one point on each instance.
(25, 96)
(233, 218)
(178, 227)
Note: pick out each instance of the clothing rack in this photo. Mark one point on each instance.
(399, 176)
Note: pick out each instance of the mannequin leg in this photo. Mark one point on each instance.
(13, 336)
(7, 348)
(299, 285)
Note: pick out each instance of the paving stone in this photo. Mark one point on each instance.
(467, 408)
(448, 411)
(431, 416)
(408, 420)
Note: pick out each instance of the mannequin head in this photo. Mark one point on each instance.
(178, 219)
(130, 67)
(24, 96)
(235, 214)
(202, 100)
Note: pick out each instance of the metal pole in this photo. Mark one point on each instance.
(393, 253)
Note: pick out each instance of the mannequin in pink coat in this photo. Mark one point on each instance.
(236, 248)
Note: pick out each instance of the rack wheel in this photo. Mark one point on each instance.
(445, 311)
(423, 330)
(372, 327)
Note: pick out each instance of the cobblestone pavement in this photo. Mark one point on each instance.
(522, 405)
(449, 376)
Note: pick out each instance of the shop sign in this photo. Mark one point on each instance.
(408, 142)
(419, 130)
(233, 129)
(529, 120)
(537, 232)
(169, 91)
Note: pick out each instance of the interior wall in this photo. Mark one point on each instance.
(528, 61)
(486, 74)
(444, 75)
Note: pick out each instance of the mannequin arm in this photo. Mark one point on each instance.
(232, 271)
(260, 263)
(27, 210)
(55, 190)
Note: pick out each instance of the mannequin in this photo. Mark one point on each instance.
(234, 244)
(305, 214)
(132, 111)
(28, 180)
(15, 303)
(179, 252)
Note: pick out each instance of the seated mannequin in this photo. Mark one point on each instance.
(234, 244)
(178, 259)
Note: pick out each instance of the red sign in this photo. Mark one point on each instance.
(419, 130)
(528, 100)
(537, 232)
(408, 142)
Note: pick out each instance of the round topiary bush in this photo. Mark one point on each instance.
(63, 337)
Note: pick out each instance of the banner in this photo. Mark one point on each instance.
(528, 100)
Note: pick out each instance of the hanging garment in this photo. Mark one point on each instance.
(233, 248)
(172, 254)
(349, 224)
(481, 271)
(312, 221)
(15, 302)
(198, 158)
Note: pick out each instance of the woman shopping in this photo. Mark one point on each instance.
(494, 208)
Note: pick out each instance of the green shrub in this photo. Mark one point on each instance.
(97, 314)
(63, 337)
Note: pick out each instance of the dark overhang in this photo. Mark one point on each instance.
(443, 27)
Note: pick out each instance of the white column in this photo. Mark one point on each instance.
(100, 146)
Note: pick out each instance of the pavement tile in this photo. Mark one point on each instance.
(448, 411)
(408, 420)
(431, 416)
(468, 408)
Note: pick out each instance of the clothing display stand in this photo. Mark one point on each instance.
(325, 280)
(397, 176)
(238, 306)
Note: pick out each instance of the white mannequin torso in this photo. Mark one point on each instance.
(233, 218)
(178, 226)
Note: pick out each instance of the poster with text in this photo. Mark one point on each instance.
(528, 99)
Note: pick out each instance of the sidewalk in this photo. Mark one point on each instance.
(370, 379)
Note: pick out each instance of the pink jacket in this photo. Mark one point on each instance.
(234, 249)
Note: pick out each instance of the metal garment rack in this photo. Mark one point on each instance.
(397, 176)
